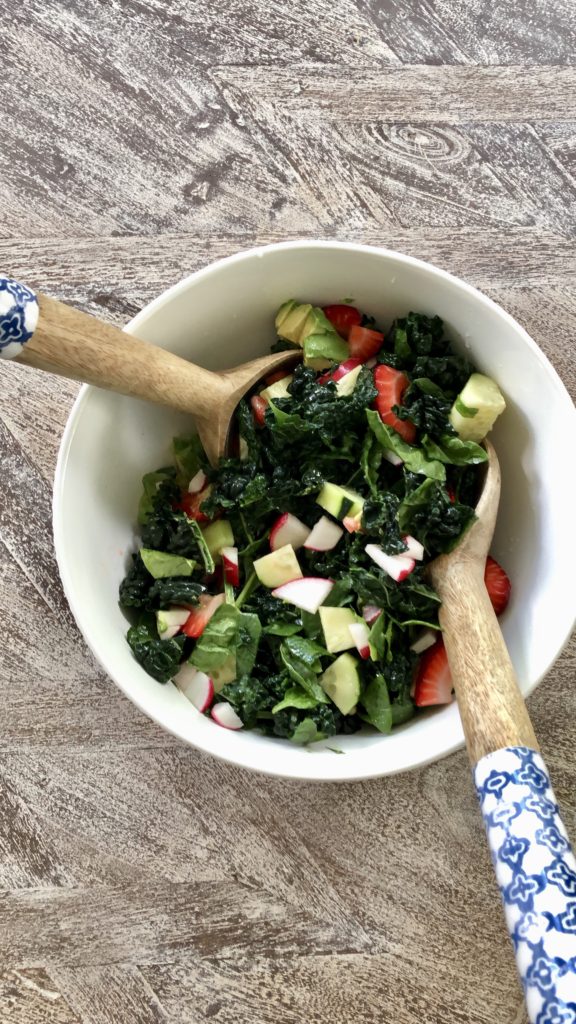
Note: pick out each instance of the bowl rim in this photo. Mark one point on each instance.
(248, 761)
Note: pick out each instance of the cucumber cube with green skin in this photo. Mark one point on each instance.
(476, 408)
(279, 389)
(342, 683)
(278, 567)
(218, 535)
(340, 501)
(335, 623)
(321, 350)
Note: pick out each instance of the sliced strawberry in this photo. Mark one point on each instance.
(342, 317)
(259, 406)
(433, 679)
(497, 584)
(391, 385)
(200, 615)
(190, 504)
(364, 343)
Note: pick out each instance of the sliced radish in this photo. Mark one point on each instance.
(359, 632)
(392, 458)
(427, 639)
(414, 549)
(370, 613)
(196, 686)
(230, 565)
(324, 535)
(198, 482)
(346, 367)
(352, 523)
(224, 715)
(288, 529)
(396, 566)
(307, 593)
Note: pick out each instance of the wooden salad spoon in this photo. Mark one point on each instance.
(534, 863)
(50, 335)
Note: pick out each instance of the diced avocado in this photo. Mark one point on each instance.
(335, 622)
(161, 564)
(342, 683)
(279, 389)
(476, 408)
(278, 567)
(166, 620)
(225, 674)
(340, 501)
(321, 350)
(307, 326)
(290, 320)
(218, 535)
(345, 386)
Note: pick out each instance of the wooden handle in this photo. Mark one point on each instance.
(76, 345)
(491, 706)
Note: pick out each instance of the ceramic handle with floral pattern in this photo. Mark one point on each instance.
(536, 871)
(18, 317)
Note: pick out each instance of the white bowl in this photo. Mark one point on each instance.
(223, 315)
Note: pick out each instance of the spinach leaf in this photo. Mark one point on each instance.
(248, 636)
(201, 546)
(159, 658)
(295, 697)
(371, 460)
(301, 658)
(307, 732)
(380, 639)
(452, 449)
(218, 640)
(376, 701)
(189, 458)
(413, 458)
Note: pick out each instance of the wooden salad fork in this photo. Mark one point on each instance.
(534, 863)
(50, 335)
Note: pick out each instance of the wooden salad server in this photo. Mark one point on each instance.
(49, 335)
(534, 863)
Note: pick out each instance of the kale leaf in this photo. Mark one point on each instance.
(159, 658)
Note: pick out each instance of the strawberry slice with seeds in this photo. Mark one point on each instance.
(342, 317)
(433, 679)
(391, 385)
(364, 343)
(497, 584)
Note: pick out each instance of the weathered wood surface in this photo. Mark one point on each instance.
(141, 883)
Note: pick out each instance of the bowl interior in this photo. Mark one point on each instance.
(222, 316)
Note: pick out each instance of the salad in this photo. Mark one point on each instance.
(285, 590)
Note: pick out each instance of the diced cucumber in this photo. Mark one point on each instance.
(342, 683)
(476, 408)
(278, 567)
(335, 623)
(218, 535)
(340, 501)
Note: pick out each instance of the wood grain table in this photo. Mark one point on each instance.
(143, 883)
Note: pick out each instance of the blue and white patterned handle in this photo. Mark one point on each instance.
(536, 872)
(18, 317)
